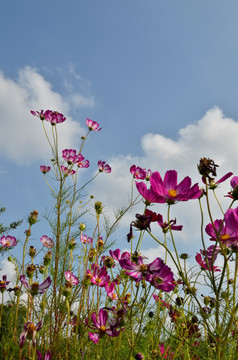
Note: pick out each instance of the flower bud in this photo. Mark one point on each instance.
(33, 217)
(72, 244)
(98, 207)
(32, 251)
(82, 226)
(30, 271)
(184, 256)
(47, 258)
(91, 254)
(42, 269)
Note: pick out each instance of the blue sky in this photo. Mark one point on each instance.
(161, 78)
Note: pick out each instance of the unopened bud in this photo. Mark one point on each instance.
(33, 217)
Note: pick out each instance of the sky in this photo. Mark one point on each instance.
(160, 77)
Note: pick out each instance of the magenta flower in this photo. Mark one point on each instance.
(157, 272)
(116, 254)
(111, 291)
(92, 125)
(211, 255)
(103, 167)
(99, 323)
(138, 172)
(29, 332)
(99, 276)
(234, 184)
(69, 155)
(86, 239)
(3, 283)
(214, 184)
(45, 169)
(221, 231)
(165, 226)
(82, 163)
(71, 278)
(168, 190)
(8, 241)
(67, 171)
(35, 288)
(47, 242)
(39, 114)
(54, 117)
(47, 355)
(231, 219)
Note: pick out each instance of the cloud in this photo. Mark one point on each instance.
(213, 136)
(22, 139)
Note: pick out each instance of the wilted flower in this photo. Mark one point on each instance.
(103, 167)
(165, 226)
(138, 172)
(29, 332)
(143, 221)
(47, 242)
(45, 169)
(207, 166)
(35, 288)
(92, 125)
(8, 241)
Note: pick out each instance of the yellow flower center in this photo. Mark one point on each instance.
(7, 243)
(114, 296)
(2, 282)
(30, 330)
(172, 193)
(102, 328)
(35, 286)
(225, 237)
(98, 280)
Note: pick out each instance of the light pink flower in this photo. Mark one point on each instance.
(82, 163)
(103, 167)
(45, 169)
(138, 172)
(71, 278)
(92, 125)
(67, 171)
(86, 239)
(47, 242)
(69, 155)
(54, 117)
(8, 241)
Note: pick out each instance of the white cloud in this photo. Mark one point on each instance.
(214, 136)
(22, 139)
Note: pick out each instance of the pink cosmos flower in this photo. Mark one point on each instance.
(92, 125)
(103, 167)
(8, 241)
(82, 163)
(71, 278)
(45, 169)
(116, 254)
(234, 184)
(99, 276)
(67, 171)
(29, 332)
(221, 231)
(231, 219)
(39, 114)
(165, 226)
(157, 272)
(168, 190)
(214, 184)
(3, 283)
(69, 155)
(54, 117)
(86, 239)
(47, 355)
(111, 291)
(35, 288)
(100, 325)
(47, 242)
(211, 253)
(138, 172)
